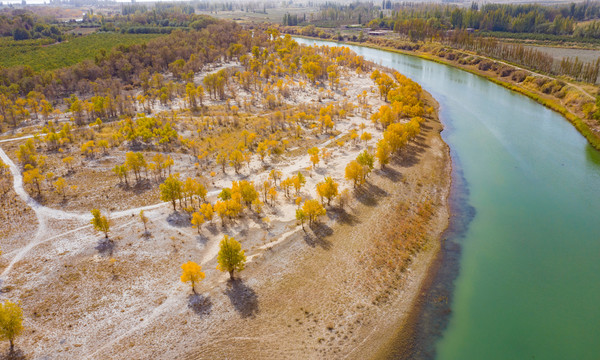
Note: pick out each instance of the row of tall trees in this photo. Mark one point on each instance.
(521, 18)
(526, 56)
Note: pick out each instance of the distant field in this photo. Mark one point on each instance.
(48, 57)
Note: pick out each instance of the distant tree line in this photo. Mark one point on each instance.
(24, 25)
(334, 14)
(522, 18)
(112, 71)
(138, 19)
(525, 56)
(160, 8)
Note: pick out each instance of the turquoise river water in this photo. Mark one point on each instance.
(521, 260)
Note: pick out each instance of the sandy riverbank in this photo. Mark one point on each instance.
(334, 291)
(317, 295)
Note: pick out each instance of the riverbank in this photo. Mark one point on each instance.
(331, 301)
(319, 294)
(590, 129)
(338, 288)
(527, 207)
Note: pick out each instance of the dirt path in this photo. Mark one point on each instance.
(303, 294)
(306, 295)
(43, 213)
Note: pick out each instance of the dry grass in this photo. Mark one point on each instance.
(18, 222)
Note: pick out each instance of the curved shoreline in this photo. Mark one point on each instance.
(578, 123)
(330, 300)
(401, 344)
(397, 337)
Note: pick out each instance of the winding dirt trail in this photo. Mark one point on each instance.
(46, 232)
(44, 214)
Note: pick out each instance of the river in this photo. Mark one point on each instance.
(521, 260)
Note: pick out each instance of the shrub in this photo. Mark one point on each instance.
(506, 71)
(519, 76)
(485, 65)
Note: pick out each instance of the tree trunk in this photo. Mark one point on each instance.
(12, 346)
(231, 275)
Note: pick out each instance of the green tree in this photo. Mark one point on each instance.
(301, 216)
(367, 161)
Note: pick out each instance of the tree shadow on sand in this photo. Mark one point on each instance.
(179, 219)
(342, 216)
(410, 155)
(390, 173)
(201, 239)
(242, 297)
(369, 194)
(316, 234)
(105, 247)
(200, 304)
(16, 354)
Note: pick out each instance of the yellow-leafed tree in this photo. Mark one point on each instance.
(383, 152)
(328, 189)
(207, 211)
(60, 185)
(312, 209)
(144, 219)
(231, 257)
(193, 273)
(35, 177)
(314, 156)
(197, 221)
(354, 172)
(100, 222)
(11, 322)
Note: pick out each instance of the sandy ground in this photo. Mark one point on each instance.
(304, 294)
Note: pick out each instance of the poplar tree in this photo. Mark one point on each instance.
(231, 257)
